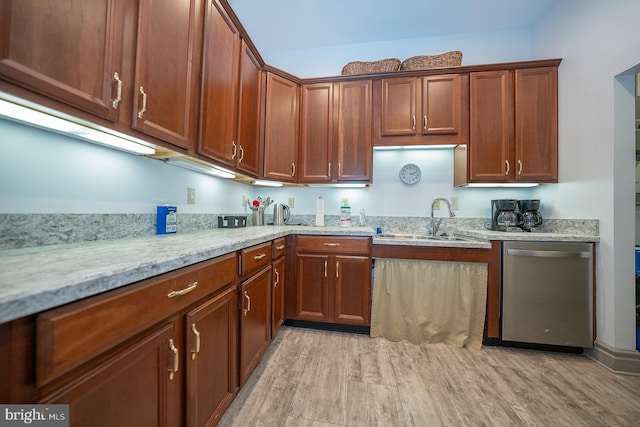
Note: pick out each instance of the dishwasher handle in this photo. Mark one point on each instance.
(549, 254)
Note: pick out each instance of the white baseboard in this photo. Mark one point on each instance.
(619, 361)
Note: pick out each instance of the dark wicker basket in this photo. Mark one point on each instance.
(381, 66)
(425, 62)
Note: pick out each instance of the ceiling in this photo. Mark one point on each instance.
(284, 25)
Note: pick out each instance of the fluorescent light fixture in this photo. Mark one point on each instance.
(201, 168)
(502, 185)
(78, 129)
(263, 183)
(413, 147)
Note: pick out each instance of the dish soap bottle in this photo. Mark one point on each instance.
(345, 213)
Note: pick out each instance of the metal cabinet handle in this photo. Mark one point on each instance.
(519, 167)
(176, 359)
(293, 169)
(325, 269)
(248, 309)
(424, 122)
(339, 168)
(262, 255)
(197, 334)
(144, 103)
(332, 245)
(116, 102)
(329, 169)
(186, 290)
(275, 284)
(337, 268)
(241, 154)
(507, 162)
(235, 150)
(413, 122)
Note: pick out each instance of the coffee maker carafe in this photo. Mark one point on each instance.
(503, 214)
(531, 218)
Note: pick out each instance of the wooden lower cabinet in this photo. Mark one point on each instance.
(211, 358)
(139, 387)
(255, 320)
(277, 296)
(333, 280)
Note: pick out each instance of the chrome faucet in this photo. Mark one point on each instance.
(435, 222)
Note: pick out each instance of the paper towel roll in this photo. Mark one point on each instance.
(320, 212)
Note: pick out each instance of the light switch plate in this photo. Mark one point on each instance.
(292, 202)
(191, 195)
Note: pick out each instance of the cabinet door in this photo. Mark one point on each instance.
(491, 127)
(249, 113)
(352, 289)
(70, 51)
(398, 106)
(140, 386)
(255, 321)
(354, 144)
(316, 131)
(441, 105)
(167, 70)
(536, 118)
(312, 287)
(277, 297)
(211, 358)
(218, 113)
(280, 135)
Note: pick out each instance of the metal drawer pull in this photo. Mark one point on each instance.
(519, 167)
(275, 284)
(235, 150)
(325, 269)
(337, 268)
(144, 103)
(507, 162)
(332, 245)
(116, 102)
(548, 254)
(281, 247)
(259, 256)
(197, 334)
(176, 359)
(248, 309)
(186, 290)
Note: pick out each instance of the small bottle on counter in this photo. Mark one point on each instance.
(361, 218)
(345, 214)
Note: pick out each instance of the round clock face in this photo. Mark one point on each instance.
(410, 174)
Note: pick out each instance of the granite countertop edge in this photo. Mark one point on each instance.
(37, 279)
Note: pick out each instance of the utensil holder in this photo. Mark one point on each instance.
(258, 217)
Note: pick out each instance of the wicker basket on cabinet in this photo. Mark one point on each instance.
(425, 62)
(381, 66)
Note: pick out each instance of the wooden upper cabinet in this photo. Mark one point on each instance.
(316, 132)
(167, 74)
(536, 124)
(354, 146)
(281, 129)
(219, 98)
(514, 126)
(421, 110)
(249, 112)
(70, 51)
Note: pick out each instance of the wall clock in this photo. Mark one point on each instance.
(410, 174)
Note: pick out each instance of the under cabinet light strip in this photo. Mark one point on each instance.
(79, 130)
(207, 170)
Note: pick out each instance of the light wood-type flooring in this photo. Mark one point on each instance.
(313, 378)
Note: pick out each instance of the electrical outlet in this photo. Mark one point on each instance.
(191, 195)
(436, 205)
(455, 203)
(244, 200)
(292, 202)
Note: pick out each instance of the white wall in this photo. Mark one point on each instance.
(598, 42)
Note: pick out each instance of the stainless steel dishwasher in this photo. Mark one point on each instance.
(547, 293)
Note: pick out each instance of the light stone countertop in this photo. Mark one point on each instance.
(36, 279)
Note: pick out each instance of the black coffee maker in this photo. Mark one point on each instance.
(531, 218)
(504, 215)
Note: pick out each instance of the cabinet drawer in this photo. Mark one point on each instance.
(279, 247)
(254, 258)
(334, 244)
(73, 334)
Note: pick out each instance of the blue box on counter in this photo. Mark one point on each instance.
(167, 220)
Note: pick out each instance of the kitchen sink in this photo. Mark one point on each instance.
(419, 237)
